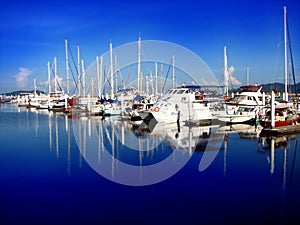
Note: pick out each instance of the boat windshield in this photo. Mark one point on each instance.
(180, 91)
(240, 97)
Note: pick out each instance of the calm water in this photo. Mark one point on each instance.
(57, 170)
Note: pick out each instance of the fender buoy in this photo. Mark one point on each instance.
(201, 97)
(155, 109)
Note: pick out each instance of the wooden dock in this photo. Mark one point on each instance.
(292, 129)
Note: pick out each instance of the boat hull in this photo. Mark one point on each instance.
(290, 122)
(231, 119)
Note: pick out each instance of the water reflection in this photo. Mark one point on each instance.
(142, 147)
(264, 168)
(55, 126)
(269, 145)
(281, 151)
(119, 135)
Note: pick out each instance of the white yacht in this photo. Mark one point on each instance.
(244, 106)
(185, 104)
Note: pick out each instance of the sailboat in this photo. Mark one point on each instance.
(283, 113)
(244, 106)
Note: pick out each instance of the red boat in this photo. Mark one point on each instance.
(284, 116)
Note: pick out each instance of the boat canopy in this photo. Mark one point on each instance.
(191, 86)
(250, 88)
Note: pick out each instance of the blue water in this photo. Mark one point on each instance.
(50, 174)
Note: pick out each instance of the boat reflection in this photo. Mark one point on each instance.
(143, 147)
(281, 151)
(186, 138)
(87, 142)
(244, 130)
(268, 145)
(55, 126)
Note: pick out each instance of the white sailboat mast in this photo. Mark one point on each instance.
(34, 86)
(79, 71)
(140, 81)
(101, 75)
(98, 75)
(285, 57)
(55, 87)
(111, 70)
(83, 77)
(67, 67)
(156, 78)
(225, 73)
(116, 71)
(49, 78)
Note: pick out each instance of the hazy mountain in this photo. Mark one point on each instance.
(16, 93)
(279, 87)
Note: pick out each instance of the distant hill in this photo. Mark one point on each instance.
(279, 87)
(16, 93)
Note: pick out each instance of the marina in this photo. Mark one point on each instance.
(149, 131)
(59, 174)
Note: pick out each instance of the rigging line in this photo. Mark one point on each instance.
(128, 76)
(56, 80)
(292, 64)
(119, 72)
(76, 88)
(73, 60)
(59, 85)
(105, 81)
(79, 77)
(167, 76)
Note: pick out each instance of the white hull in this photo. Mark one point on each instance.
(235, 118)
(185, 112)
(166, 117)
(43, 106)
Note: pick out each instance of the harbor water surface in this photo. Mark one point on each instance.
(48, 174)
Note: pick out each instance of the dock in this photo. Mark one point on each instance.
(292, 129)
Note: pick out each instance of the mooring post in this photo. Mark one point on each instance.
(272, 109)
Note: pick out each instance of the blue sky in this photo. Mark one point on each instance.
(33, 33)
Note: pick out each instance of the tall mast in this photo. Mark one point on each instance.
(34, 84)
(79, 71)
(67, 66)
(111, 70)
(55, 88)
(83, 77)
(140, 81)
(156, 78)
(116, 71)
(101, 75)
(49, 78)
(161, 78)
(98, 75)
(285, 56)
(225, 73)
